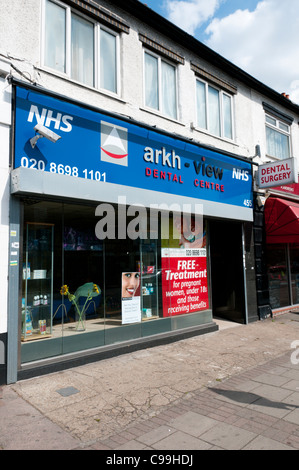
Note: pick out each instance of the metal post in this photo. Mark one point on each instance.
(244, 274)
(13, 291)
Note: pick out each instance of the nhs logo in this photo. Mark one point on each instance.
(46, 117)
(239, 174)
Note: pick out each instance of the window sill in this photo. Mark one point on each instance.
(276, 159)
(62, 76)
(223, 139)
(163, 116)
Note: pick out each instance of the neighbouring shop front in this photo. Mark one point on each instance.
(282, 240)
(122, 234)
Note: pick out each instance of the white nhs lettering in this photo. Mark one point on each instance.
(46, 117)
(240, 174)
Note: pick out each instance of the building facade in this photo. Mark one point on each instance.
(129, 214)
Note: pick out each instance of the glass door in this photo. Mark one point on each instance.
(277, 268)
(149, 279)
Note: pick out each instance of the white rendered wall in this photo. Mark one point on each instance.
(20, 41)
(23, 43)
(5, 123)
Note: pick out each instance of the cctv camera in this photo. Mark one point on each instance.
(44, 132)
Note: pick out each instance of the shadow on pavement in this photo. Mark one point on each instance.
(250, 398)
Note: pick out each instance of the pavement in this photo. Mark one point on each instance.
(234, 389)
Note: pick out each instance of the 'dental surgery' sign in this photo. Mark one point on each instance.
(278, 173)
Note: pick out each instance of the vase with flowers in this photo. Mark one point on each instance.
(85, 292)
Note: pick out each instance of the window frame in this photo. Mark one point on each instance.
(160, 60)
(221, 94)
(97, 28)
(277, 129)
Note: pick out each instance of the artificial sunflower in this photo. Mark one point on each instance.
(64, 290)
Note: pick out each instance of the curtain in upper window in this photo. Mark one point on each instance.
(160, 85)
(169, 104)
(278, 138)
(55, 37)
(108, 67)
(151, 81)
(82, 57)
(201, 104)
(70, 42)
(214, 110)
(227, 116)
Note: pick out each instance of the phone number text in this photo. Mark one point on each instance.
(61, 169)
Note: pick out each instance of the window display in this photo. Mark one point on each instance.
(80, 292)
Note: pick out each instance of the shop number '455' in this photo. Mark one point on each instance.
(248, 203)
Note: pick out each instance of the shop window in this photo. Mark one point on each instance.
(81, 292)
(214, 110)
(278, 138)
(283, 274)
(81, 49)
(160, 85)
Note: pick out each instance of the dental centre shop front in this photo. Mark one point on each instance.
(122, 232)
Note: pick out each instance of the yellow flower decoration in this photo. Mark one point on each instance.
(73, 298)
(96, 289)
(64, 290)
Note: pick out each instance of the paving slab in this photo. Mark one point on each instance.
(192, 423)
(236, 388)
(182, 441)
(228, 437)
(264, 443)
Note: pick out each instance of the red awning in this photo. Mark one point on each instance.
(282, 221)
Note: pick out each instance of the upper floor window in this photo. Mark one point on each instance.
(214, 110)
(82, 49)
(160, 85)
(277, 138)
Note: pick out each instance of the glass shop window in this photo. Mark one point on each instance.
(82, 291)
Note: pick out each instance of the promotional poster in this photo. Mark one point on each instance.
(184, 269)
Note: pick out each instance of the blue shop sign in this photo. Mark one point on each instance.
(107, 149)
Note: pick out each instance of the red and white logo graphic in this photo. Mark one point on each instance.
(114, 144)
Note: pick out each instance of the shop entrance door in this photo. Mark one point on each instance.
(227, 276)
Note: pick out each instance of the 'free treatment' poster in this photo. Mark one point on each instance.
(184, 271)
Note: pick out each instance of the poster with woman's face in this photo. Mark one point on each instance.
(130, 284)
(130, 293)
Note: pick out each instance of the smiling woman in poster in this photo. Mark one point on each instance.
(130, 284)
